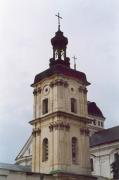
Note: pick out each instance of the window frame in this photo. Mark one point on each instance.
(92, 164)
(74, 146)
(45, 149)
(45, 106)
(73, 103)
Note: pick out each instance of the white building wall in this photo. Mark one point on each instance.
(103, 156)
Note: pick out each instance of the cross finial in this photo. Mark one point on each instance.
(59, 17)
(74, 57)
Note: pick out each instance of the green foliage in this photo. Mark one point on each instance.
(115, 167)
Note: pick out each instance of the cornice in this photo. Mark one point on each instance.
(63, 114)
(22, 159)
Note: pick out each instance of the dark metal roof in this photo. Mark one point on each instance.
(94, 110)
(105, 136)
(62, 70)
(14, 167)
(59, 40)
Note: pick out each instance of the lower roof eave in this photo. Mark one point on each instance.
(105, 143)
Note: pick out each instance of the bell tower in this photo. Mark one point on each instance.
(60, 119)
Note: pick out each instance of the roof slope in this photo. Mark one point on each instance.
(14, 167)
(105, 136)
(94, 110)
(62, 70)
(24, 149)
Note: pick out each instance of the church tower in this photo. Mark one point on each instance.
(60, 119)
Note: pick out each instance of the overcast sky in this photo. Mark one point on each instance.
(26, 27)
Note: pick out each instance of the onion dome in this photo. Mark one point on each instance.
(59, 41)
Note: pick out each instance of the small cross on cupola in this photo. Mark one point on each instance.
(74, 57)
(59, 17)
(59, 43)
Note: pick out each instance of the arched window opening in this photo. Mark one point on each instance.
(102, 124)
(91, 163)
(45, 150)
(116, 156)
(98, 123)
(74, 149)
(73, 105)
(45, 106)
(94, 122)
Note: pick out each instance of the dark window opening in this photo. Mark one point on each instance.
(74, 150)
(115, 156)
(45, 150)
(94, 122)
(92, 166)
(98, 123)
(73, 105)
(102, 124)
(45, 106)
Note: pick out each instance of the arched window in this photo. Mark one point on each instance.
(102, 124)
(73, 105)
(98, 123)
(45, 150)
(116, 156)
(74, 149)
(45, 106)
(91, 163)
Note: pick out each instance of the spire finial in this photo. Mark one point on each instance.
(59, 17)
(74, 57)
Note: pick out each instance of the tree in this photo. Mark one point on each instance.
(115, 167)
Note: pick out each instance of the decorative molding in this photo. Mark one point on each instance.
(59, 126)
(46, 89)
(83, 89)
(59, 82)
(36, 132)
(62, 114)
(37, 91)
(84, 131)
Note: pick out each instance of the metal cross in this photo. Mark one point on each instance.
(74, 57)
(59, 17)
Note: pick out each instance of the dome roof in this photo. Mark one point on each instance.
(59, 41)
(94, 110)
(59, 69)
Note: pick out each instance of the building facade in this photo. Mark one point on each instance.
(60, 137)
(63, 118)
(104, 148)
(63, 122)
(25, 155)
